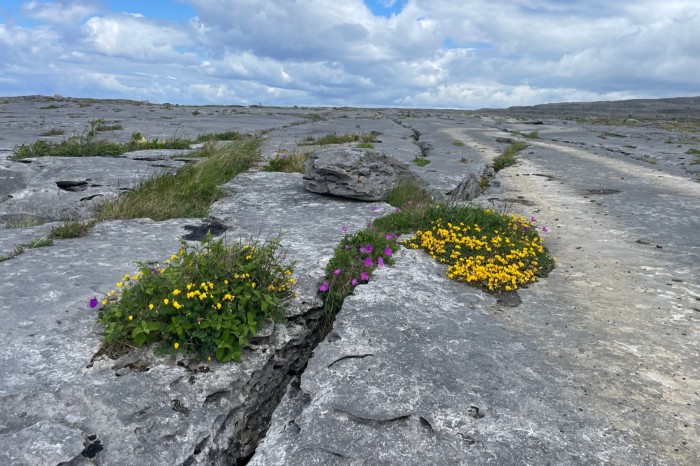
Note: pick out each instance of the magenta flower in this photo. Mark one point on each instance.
(389, 237)
(369, 262)
(93, 302)
(388, 252)
(397, 209)
(380, 261)
(363, 250)
(336, 272)
(364, 276)
(324, 287)
(369, 249)
(347, 246)
(544, 230)
(343, 228)
(354, 282)
(533, 220)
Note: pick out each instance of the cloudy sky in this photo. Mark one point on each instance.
(398, 53)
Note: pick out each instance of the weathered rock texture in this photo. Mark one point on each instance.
(362, 174)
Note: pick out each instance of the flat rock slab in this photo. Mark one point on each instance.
(416, 371)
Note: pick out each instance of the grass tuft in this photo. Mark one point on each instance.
(340, 139)
(421, 161)
(284, 162)
(507, 158)
(53, 132)
(72, 229)
(188, 192)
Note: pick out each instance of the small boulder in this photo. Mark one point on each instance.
(362, 174)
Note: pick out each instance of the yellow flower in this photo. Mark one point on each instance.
(166, 301)
(181, 252)
(131, 317)
(110, 293)
(248, 257)
(126, 277)
(292, 281)
(119, 284)
(150, 307)
(253, 284)
(189, 286)
(225, 282)
(176, 292)
(104, 301)
(176, 345)
(136, 276)
(177, 305)
(173, 257)
(218, 305)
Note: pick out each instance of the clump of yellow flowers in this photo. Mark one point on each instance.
(501, 257)
(205, 301)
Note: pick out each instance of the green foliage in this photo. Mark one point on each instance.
(53, 132)
(36, 243)
(314, 116)
(458, 143)
(693, 151)
(188, 192)
(72, 229)
(207, 301)
(421, 161)
(365, 145)
(100, 125)
(284, 162)
(345, 269)
(340, 139)
(508, 157)
(532, 135)
(223, 136)
(409, 193)
(85, 145)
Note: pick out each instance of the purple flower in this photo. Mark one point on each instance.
(369, 262)
(533, 220)
(324, 287)
(524, 228)
(389, 237)
(380, 261)
(93, 302)
(363, 250)
(154, 270)
(343, 228)
(336, 272)
(369, 249)
(397, 210)
(388, 252)
(544, 230)
(347, 246)
(354, 282)
(364, 276)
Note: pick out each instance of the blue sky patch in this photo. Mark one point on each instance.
(385, 8)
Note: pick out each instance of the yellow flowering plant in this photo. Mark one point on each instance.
(207, 301)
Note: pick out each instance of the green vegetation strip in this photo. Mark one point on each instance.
(339, 139)
(507, 158)
(188, 192)
(287, 163)
(85, 144)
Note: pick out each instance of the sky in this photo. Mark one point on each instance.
(463, 54)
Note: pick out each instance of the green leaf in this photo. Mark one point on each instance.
(139, 339)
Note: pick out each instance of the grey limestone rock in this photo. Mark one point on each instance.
(361, 174)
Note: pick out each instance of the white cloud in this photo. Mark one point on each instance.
(60, 12)
(338, 53)
(135, 37)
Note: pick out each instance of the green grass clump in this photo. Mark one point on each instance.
(72, 229)
(458, 143)
(100, 125)
(532, 135)
(53, 132)
(421, 161)
(507, 158)
(188, 192)
(409, 193)
(693, 151)
(206, 301)
(23, 222)
(37, 243)
(287, 163)
(223, 136)
(340, 139)
(365, 145)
